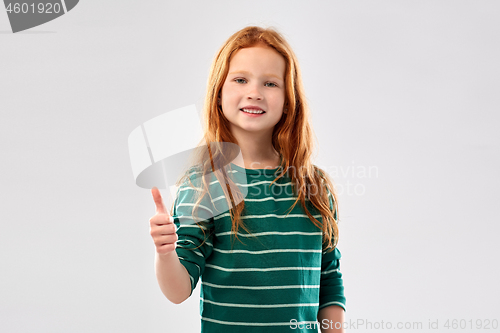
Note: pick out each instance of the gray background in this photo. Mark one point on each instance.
(408, 88)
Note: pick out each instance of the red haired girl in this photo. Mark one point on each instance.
(266, 263)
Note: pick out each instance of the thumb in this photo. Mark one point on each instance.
(160, 206)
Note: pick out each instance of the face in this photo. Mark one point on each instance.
(255, 82)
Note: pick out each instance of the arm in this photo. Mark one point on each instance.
(172, 277)
(331, 319)
(177, 265)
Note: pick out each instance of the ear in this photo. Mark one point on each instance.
(285, 108)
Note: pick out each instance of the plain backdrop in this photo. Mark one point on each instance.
(405, 106)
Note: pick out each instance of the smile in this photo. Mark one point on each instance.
(253, 111)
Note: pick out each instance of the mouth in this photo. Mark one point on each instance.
(253, 110)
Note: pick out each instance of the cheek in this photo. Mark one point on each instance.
(225, 93)
(225, 101)
(278, 100)
(229, 98)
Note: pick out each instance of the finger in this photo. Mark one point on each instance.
(168, 229)
(158, 229)
(164, 240)
(164, 249)
(161, 219)
(160, 207)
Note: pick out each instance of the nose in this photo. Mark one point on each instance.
(254, 92)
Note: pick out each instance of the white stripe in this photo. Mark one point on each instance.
(266, 251)
(330, 271)
(272, 198)
(185, 240)
(263, 269)
(260, 306)
(192, 280)
(283, 233)
(332, 303)
(190, 188)
(191, 226)
(199, 269)
(260, 287)
(219, 198)
(264, 182)
(190, 241)
(192, 205)
(239, 323)
(187, 187)
(268, 215)
(199, 253)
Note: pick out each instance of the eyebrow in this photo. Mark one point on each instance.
(248, 73)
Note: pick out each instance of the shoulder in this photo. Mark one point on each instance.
(324, 178)
(322, 173)
(318, 170)
(189, 186)
(192, 180)
(197, 193)
(330, 254)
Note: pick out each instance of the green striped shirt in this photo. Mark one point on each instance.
(269, 280)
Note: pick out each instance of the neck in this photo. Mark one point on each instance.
(257, 152)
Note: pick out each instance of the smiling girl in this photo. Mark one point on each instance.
(266, 263)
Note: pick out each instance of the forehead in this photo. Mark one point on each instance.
(256, 58)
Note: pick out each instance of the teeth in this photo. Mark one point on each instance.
(252, 111)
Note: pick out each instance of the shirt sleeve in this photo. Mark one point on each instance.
(331, 290)
(194, 244)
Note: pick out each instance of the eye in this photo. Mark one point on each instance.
(240, 80)
(271, 84)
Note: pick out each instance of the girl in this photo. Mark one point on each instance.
(266, 263)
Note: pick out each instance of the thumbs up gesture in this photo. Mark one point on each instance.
(162, 227)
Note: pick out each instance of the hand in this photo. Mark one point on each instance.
(162, 227)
